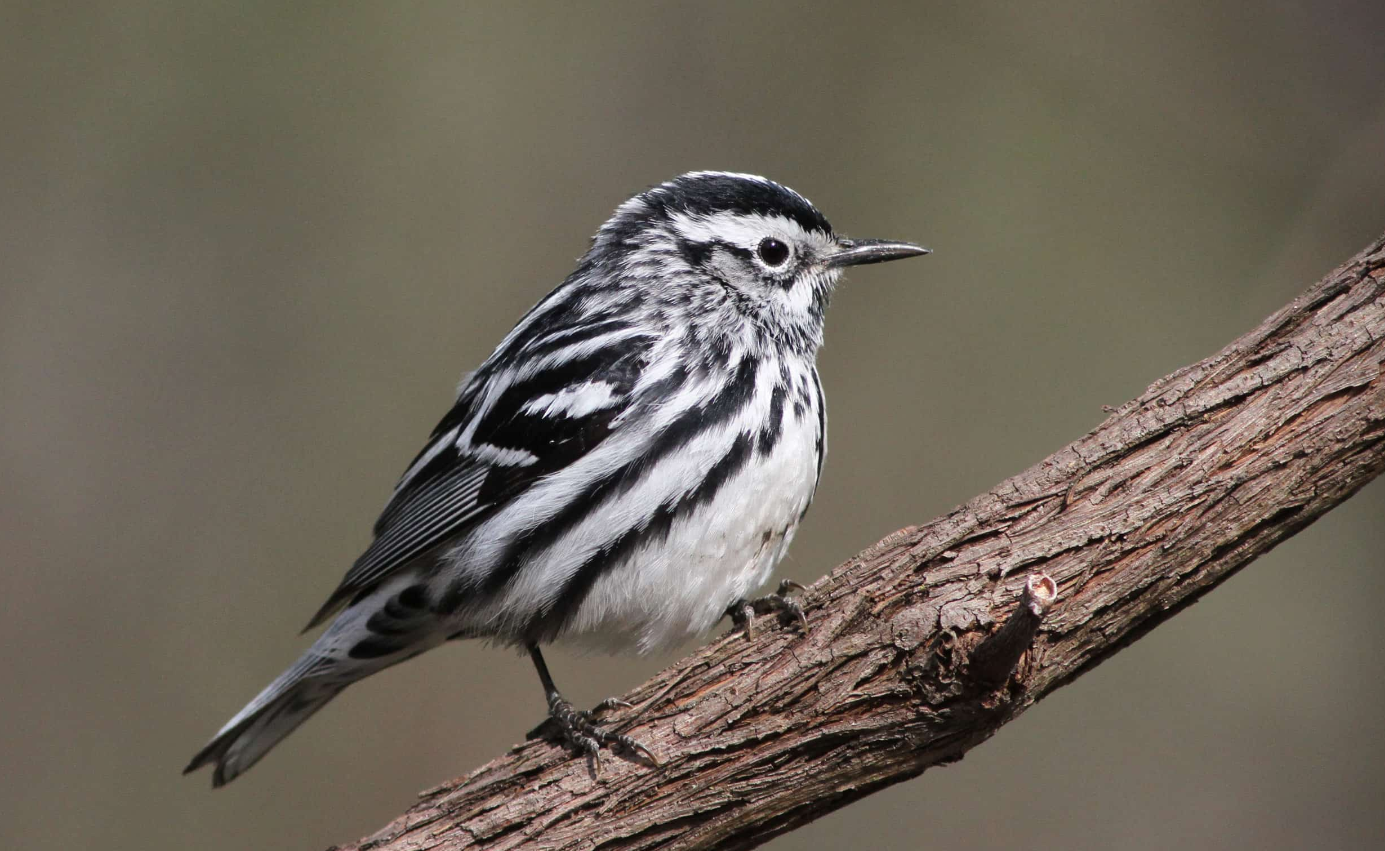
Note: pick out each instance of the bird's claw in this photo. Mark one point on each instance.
(578, 729)
(610, 703)
(743, 612)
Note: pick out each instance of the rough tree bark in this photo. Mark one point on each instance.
(1174, 492)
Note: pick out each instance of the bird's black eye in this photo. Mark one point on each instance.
(773, 252)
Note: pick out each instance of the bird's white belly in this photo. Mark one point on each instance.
(675, 587)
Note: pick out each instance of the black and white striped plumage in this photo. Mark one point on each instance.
(634, 456)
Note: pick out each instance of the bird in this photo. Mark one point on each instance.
(630, 462)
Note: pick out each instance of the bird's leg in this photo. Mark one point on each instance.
(577, 727)
(743, 611)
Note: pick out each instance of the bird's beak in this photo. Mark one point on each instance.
(858, 252)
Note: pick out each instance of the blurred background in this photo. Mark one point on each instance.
(250, 247)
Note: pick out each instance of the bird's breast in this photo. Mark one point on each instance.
(679, 584)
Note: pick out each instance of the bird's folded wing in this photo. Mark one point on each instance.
(509, 427)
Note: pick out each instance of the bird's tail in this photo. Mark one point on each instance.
(265, 721)
(377, 631)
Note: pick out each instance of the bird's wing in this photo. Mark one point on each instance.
(518, 418)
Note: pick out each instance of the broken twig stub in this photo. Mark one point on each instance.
(995, 659)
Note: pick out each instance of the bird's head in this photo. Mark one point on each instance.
(735, 249)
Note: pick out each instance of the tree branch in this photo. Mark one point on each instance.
(1174, 492)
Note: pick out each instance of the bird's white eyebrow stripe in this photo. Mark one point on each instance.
(745, 230)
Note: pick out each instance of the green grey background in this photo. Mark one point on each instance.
(248, 249)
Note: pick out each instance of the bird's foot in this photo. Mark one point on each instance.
(743, 612)
(578, 729)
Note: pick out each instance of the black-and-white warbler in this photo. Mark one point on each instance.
(630, 462)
